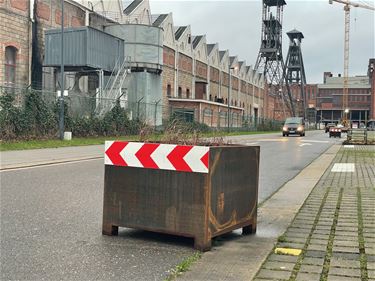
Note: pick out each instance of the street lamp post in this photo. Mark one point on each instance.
(229, 94)
(346, 112)
(61, 98)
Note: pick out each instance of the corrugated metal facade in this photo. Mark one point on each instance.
(84, 47)
(143, 43)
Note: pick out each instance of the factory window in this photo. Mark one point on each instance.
(169, 90)
(10, 65)
(179, 92)
(187, 93)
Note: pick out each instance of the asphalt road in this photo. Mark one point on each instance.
(51, 218)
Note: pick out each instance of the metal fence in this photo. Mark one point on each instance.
(154, 114)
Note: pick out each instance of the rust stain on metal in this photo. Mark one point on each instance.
(196, 205)
(220, 203)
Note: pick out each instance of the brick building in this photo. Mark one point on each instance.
(371, 75)
(329, 99)
(195, 74)
(196, 80)
(22, 25)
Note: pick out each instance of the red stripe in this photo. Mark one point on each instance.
(113, 153)
(144, 155)
(176, 158)
(204, 159)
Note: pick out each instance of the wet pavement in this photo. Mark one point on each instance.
(335, 228)
(51, 215)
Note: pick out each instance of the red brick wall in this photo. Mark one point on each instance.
(201, 69)
(21, 5)
(208, 113)
(168, 56)
(185, 63)
(43, 11)
(214, 74)
(14, 27)
(372, 98)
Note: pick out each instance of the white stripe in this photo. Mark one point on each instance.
(193, 159)
(343, 168)
(128, 154)
(107, 161)
(317, 141)
(160, 156)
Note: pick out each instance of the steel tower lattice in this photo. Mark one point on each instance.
(294, 68)
(270, 58)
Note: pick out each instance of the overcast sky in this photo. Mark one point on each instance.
(236, 25)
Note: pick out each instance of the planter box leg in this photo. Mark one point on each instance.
(109, 229)
(202, 244)
(250, 229)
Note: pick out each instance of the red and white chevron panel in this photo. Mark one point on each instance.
(184, 158)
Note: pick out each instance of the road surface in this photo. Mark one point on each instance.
(51, 216)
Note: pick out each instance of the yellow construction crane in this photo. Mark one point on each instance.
(347, 6)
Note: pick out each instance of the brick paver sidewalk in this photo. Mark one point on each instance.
(335, 228)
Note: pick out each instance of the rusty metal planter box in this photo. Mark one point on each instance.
(192, 204)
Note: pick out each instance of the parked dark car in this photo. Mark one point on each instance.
(335, 132)
(329, 125)
(294, 126)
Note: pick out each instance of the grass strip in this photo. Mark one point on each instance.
(54, 143)
(183, 266)
(327, 258)
(298, 264)
(361, 239)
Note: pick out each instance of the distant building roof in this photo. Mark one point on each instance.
(353, 82)
(196, 40)
(159, 20)
(231, 59)
(180, 30)
(131, 7)
(221, 54)
(210, 47)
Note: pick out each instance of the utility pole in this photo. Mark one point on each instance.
(229, 90)
(61, 98)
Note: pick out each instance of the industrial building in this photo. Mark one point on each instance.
(330, 96)
(155, 68)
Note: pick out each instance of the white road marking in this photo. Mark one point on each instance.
(304, 144)
(317, 141)
(47, 164)
(343, 168)
(348, 146)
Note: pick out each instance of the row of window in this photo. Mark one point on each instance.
(211, 98)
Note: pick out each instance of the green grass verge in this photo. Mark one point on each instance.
(54, 143)
(35, 144)
(183, 266)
